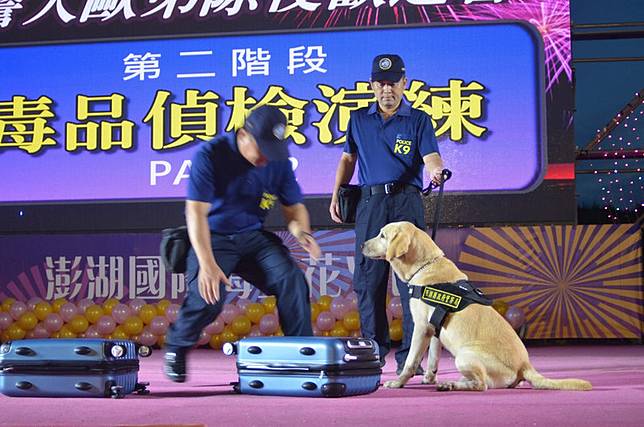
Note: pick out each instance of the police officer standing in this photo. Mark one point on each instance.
(390, 142)
(234, 181)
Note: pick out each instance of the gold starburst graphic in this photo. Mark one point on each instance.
(571, 281)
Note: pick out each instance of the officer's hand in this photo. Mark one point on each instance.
(308, 242)
(209, 280)
(334, 209)
(437, 176)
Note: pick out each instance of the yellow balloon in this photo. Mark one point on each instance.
(161, 306)
(395, 330)
(42, 310)
(339, 330)
(4, 336)
(78, 324)
(241, 325)
(109, 305)
(315, 310)
(27, 321)
(66, 332)
(133, 325)
(147, 313)
(7, 303)
(119, 333)
(325, 302)
(216, 342)
(228, 335)
(57, 304)
(254, 312)
(93, 313)
(500, 306)
(15, 332)
(351, 321)
(269, 303)
(279, 333)
(161, 340)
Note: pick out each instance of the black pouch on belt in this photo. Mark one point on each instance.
(348, 199)
(175, 245)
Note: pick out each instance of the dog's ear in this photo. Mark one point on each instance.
(398, 246)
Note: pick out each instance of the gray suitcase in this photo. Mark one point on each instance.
(71, 368)
(306, 366)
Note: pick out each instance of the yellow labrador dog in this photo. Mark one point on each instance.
(488, 353)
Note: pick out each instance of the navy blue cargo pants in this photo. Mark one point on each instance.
(370, 276)
(259, 257)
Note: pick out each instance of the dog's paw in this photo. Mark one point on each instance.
(394, 384)
(447, 386)
(429, 378)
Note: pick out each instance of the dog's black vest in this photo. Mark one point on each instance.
(447, 298)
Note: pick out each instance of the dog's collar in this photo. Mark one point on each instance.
(431, 261)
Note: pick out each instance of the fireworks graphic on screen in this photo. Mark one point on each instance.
(550, 18)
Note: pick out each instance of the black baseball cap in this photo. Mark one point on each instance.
(387, 67)
(267, 124)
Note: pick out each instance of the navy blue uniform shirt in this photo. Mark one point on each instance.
(390, 150)
(240, 193)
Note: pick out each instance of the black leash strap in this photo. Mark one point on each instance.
(445, 175)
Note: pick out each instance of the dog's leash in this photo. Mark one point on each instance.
(445, 175)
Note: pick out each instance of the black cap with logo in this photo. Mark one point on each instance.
(267, 124)
(387, 67)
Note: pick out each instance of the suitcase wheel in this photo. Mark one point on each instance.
(229, 349)
(141, 388)
(5, 348)
(307, 351)
(24, 385)
(256, 384)
(116, 392)
(309, 386)
(144, 351)
(333, 389)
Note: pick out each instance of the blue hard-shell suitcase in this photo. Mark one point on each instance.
(71, 368)
(306, 366)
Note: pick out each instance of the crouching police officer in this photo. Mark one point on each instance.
(234, 180)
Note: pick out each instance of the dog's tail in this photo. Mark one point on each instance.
(540, 382)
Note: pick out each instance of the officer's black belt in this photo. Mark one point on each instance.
(447, 298)
(392, 188)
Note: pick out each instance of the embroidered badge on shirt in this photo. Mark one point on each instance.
(402, 146)
(268, 201)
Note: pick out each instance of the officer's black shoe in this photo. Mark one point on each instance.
(174, 365)
(419, 370)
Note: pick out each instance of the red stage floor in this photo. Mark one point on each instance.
(617, 374)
